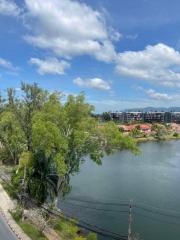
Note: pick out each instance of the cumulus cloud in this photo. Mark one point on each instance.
(7, 65)
(157, 95)
(159, 64)
(9, 8)
(96, 83)
(50, 66)
(69, 28)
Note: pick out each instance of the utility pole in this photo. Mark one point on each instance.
(130, 222)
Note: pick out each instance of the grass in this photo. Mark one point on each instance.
(9, 190)
(65, 229)
(31, 231)
(27, 227)
(69, 231)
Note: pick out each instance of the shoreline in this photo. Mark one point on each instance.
(152, 139)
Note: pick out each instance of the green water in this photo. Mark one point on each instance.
(151, 180)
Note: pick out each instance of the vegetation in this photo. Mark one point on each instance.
(10, 191)
(47, 139)
(27, 227)
(69, 230)
(160, 131)
(106, 116)
(136, 132)
(176, 134)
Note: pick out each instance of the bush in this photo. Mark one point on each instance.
(175, 134)
(92, 236)
(17, 214)
(79, 238)
(68, 230)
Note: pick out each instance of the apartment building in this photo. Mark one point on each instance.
(149, 117)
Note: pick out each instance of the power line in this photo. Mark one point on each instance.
(156, 212)
(103, 232)
(69, 218)
(157, 208)
(149, 208)
(83, 224)
(156, 219)
(125, 236)
(97, 209)
(89, 227)
(98, 202)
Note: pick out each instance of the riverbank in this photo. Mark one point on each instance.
(38, 223)
(154, 139)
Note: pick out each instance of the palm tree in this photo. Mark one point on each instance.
(42, 180)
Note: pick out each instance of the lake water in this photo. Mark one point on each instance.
(150, 180)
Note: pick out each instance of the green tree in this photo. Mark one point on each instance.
(33, 100)
(11, 137)
(160, 131)
(68, 134)
(106, 116)
(135, 132)
(52, 139)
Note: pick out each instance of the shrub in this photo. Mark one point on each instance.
(92, 236)
(175, 134)
(79, 238)
(17, 214)
(66, 229)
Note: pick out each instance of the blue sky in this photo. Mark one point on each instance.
(122, 54)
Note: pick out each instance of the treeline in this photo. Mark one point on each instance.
(46, 139)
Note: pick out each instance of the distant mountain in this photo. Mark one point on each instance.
(153, 109)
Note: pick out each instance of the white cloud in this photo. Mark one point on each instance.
(9, 8)
(7, 65)
(157, 95)
(70, 28)
(50, 66)
(131, 36)
(159, 64)
(96, 83)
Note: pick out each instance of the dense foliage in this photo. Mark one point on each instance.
(47, 139)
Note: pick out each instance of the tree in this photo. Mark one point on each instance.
(106, 116)
(33, 99)
(160, 131)
(52, 139)
(11, 137)
(135, 132)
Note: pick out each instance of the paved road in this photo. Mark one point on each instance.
(5, 231)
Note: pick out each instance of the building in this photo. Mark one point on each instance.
(118, 116)
(176, 117)
(167, 117)
(127, 117)
(146, 117)
(154, 117)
